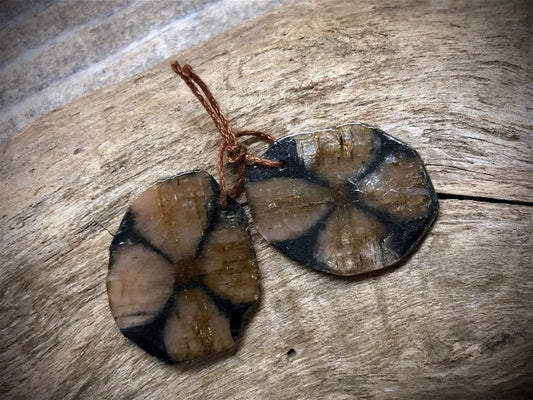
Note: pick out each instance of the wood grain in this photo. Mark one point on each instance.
(454, 320)
(56, 51)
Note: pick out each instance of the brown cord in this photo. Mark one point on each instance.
(236, 152)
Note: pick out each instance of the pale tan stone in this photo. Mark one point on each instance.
(285, 208)
(397, 187)
(172, 215)
(139, 284)
(227, 264)
(351, 243)
(336, 154)
(195, 327)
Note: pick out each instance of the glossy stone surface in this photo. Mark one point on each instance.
(182, 272)
(350, 200)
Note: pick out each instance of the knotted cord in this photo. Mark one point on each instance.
(235, 151)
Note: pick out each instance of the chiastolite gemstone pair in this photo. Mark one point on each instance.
(182, 272)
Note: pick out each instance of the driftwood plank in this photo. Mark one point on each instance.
(455, 319)
(60, 50)
(454, 83)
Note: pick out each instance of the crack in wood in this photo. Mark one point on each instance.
(453, 196)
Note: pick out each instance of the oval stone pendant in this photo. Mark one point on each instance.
(182, 272)
(350, 199)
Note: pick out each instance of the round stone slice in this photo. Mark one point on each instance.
(350, 199)
(182, 272)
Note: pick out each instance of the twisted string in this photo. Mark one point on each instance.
(235, 152)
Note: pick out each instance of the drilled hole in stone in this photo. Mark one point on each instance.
(291, 353)
(283, 165)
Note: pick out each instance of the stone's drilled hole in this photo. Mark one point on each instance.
(78, 150)
(291, 353)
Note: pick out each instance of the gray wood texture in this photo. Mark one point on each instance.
(453, 79)
(55, 51)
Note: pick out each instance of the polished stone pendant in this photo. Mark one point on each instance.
(349, 200)
(182, 272)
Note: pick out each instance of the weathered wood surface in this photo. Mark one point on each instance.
(454, 320)
(56, 51)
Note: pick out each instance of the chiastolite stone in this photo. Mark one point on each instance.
(182, 272)
(350, 199)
